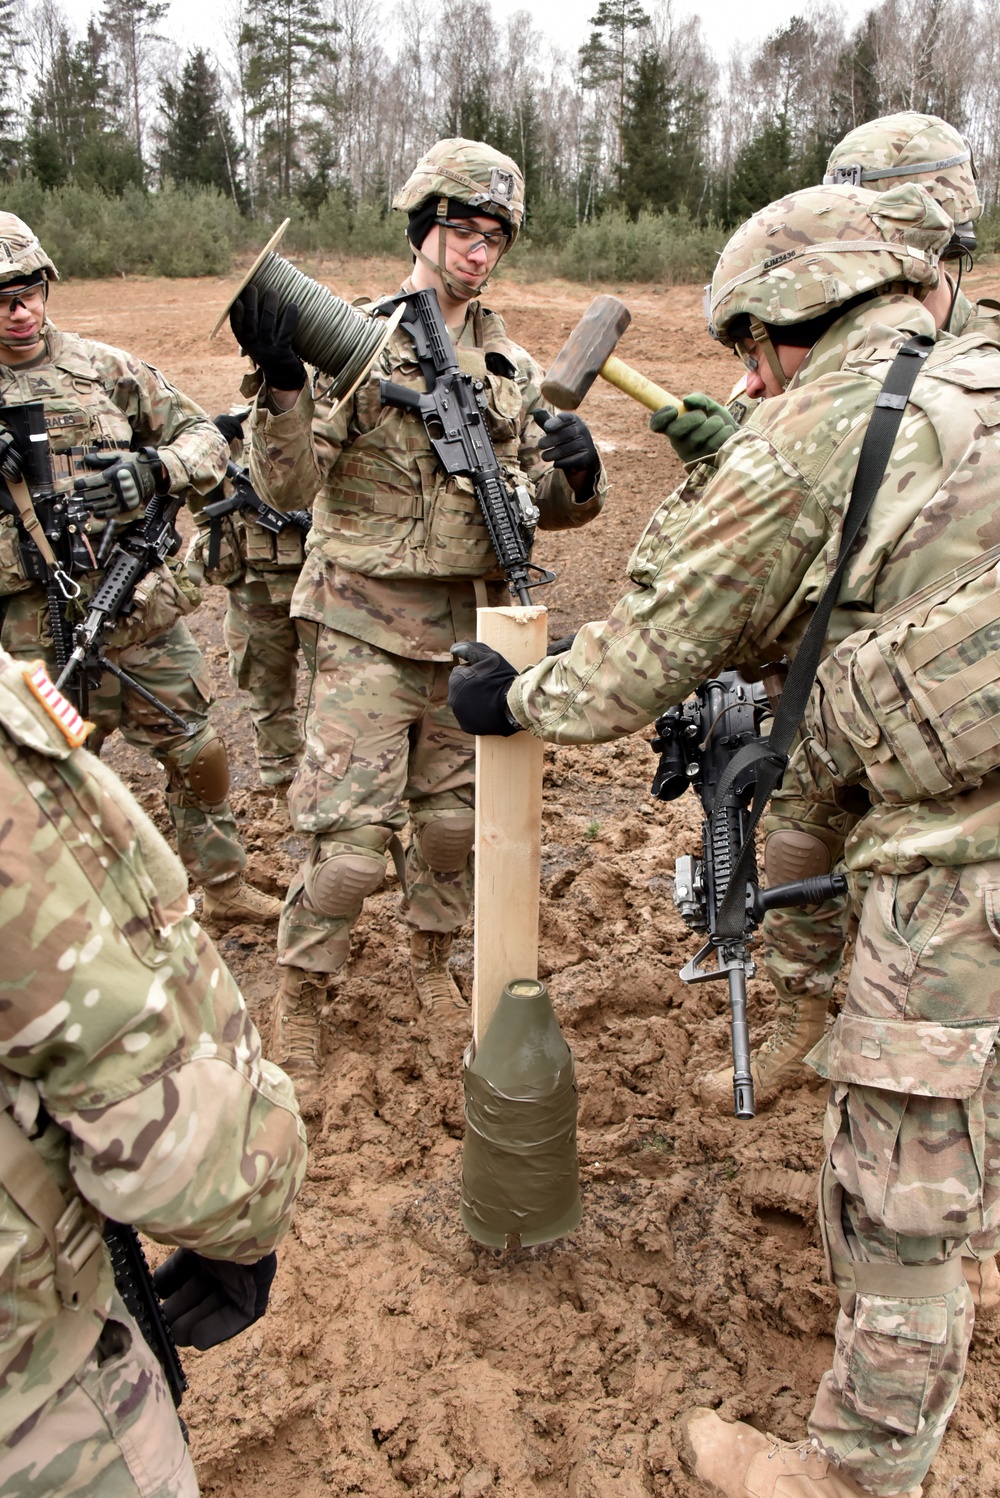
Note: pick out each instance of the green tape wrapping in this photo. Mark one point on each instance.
(520, 1174)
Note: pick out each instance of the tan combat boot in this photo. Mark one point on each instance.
(233, 901)
(297, 1028)
(799, 1025)
(437, 990)
(737, 1461)
(279, 808)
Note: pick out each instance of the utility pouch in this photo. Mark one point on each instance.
(918, 696)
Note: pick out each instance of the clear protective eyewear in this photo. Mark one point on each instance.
(469, 239)
(12, 297)
(750, 361)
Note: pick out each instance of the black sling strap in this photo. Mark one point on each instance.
(770, 756)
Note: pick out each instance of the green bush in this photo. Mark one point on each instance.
(664, 247)
(179, 231)
(193, 231)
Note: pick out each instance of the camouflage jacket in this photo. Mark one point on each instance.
(247, 552)
(728, 573)
(396, 544)
(127, 1054)
(96, 394)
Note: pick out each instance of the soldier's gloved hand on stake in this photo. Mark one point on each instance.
(700, 432)
(265, 336)
(125, 483)
(477, 689)
(568, 444)
(231, 427)
(207, 1301)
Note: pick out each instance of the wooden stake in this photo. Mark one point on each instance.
(508, 829)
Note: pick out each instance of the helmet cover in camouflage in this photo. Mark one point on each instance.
(910, 147)
(471, 172)
(818, 248)
(20, 251)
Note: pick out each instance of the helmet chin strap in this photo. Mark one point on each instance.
(460, 290)
(762, 338)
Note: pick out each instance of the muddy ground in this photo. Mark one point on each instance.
(398, 1356)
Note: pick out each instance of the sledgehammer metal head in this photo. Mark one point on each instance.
(588, 352)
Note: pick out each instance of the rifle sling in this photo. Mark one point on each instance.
(770, 756)
(29, 519)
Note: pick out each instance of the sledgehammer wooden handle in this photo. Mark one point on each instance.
(632, 383)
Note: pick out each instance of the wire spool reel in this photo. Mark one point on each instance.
(332, 336)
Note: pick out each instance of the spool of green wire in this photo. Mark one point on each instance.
(332, 336)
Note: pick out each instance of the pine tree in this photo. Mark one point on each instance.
(130, 29)
(663, 134)
(286, 42)
(72, 133)
(604, 58)
(197, 140)
(12, 45)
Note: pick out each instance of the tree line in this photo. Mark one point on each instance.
(312, 104)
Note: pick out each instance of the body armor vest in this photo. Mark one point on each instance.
(387, 509)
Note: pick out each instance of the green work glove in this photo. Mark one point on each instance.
(700, 432)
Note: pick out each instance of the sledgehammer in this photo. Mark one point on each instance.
(587, 353)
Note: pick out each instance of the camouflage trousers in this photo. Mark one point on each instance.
(111, 1431)
(382, 750)
(172, 667)
(913, 1166)
(263, 643)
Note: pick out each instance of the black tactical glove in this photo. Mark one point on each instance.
(127, 481)
(477, 690)
(564, 643)
(700, 432)
(207, 1301)
(231, 427)
(568, 444)
(266, 337)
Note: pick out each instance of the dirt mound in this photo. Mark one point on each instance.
(398, 1355)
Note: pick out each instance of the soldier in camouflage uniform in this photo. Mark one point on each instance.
(907, 147)
(102, 407)
(397, 562)
(132, 1087)
(728, 573)
(802, 950)
(259, 571)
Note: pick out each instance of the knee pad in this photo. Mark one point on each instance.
(790, 855)
(206, 776)
(338, 880)
(446, 842)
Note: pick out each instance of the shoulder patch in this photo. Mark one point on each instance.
(64, 715)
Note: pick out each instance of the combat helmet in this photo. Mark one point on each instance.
(21, 255)
(461, 178)
(799, 260)
(911, 147)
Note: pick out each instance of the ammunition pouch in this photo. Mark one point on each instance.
(70, 1227)
(912, 704)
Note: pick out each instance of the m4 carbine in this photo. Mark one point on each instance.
(247, 501)
(141, 547)
(696, 742)
(453, 410)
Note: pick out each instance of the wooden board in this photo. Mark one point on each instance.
(508, 829)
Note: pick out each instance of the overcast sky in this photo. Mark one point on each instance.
(726, 23)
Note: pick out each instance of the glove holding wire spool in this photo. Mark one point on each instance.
(286, 322)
